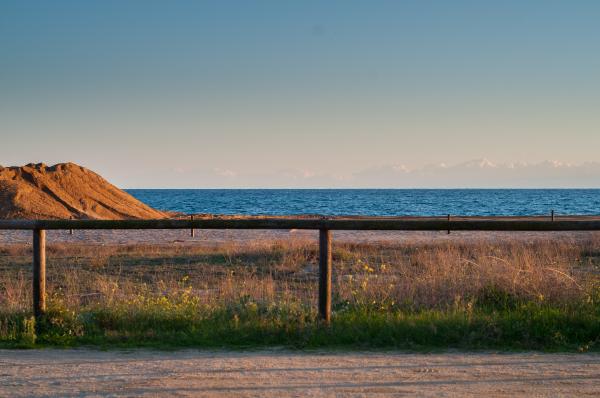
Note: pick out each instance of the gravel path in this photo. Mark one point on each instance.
(75, 373)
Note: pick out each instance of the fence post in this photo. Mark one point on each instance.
(325, 274)
(192, 232)
(39, 272)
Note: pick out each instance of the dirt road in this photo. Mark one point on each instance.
(68, 373)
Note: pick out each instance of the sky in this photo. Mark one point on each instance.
(385, 94)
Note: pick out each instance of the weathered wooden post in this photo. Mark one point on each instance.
(325, 274)
(552, 215)
(39, 272)
(192, 233)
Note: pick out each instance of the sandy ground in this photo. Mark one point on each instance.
(209, 237)
(75, 373)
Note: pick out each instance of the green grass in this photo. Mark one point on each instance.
(161, 323)
(509, 295)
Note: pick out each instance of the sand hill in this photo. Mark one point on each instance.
(37, 191)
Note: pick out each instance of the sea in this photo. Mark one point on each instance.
(374, 202)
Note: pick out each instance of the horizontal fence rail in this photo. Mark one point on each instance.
(323, 224)
(359, 224)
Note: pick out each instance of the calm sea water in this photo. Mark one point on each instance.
(374, 202)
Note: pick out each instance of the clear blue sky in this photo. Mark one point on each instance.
(282, 93)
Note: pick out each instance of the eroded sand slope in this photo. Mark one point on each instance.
(62, 191)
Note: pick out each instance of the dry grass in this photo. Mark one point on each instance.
(537, 294)
(407, 275)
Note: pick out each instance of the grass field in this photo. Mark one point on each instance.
(503, 294)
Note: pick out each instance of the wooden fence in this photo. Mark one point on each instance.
(323, 225)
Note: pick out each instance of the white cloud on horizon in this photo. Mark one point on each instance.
(482, 173)
(477, 173)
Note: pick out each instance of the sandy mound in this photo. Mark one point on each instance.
(36, 191)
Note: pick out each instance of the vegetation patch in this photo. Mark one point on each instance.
(506, 295)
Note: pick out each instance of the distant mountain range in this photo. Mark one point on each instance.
(478, 173)
(482, 173)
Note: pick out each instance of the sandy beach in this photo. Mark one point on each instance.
(208, 237)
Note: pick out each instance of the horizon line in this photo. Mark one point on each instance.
(371, 188)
